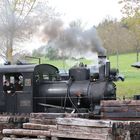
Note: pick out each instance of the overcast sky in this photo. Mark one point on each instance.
(90, 12)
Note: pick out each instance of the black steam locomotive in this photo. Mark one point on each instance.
(41, 88)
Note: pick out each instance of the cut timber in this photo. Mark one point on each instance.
(24, 132)
(79, 135)
(4, 119)
(83, 122)
(55, 138)
(120, 109)
(39, 126)
(82, 129)
(47, 115)
(126, 109)
(119, 103)
(127, 129)
(43, 121)
(6, 138)
(129, 114)
(60, 115)
(114, 109)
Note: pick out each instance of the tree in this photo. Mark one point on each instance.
(133, 24)
(77, 24)
(52, 53)
(13, 23)
(115, 36)
(18, 20)
(129, 7)
(131, 12)
(41, 51)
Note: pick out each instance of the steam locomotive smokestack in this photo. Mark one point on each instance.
(107, 69)
(73, 39)
(104, 67)
(101, 61)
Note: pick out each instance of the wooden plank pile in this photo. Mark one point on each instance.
(12, 121)
(53, 126)
(121, 110)
(126, 130)
(126, 118)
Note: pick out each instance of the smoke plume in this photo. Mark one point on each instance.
(73, 39)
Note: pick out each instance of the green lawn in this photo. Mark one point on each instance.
(131, 85)
(128, 88)
(62, 64)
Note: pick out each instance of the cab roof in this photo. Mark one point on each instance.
(16, 68)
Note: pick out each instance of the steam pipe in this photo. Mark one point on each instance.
(39, 59)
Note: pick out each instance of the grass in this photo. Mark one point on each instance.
(131, 85)
(62, 64)
(128, 88)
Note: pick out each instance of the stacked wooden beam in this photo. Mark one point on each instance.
(122, 130)
(12, 121)
(82, 128)
(122, 110)
(56, 126)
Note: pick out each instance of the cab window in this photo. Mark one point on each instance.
(15, 80)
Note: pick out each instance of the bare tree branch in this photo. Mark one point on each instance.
(15, 4)
(15, 26)
(21, 9)
(28, 11)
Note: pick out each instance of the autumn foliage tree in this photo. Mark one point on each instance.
(131, 19)
(116, 38)
(122, 36)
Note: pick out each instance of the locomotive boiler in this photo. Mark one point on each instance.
(44, 89)
(81, 91)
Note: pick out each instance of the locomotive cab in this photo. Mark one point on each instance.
(44, 76)
(16, 90)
